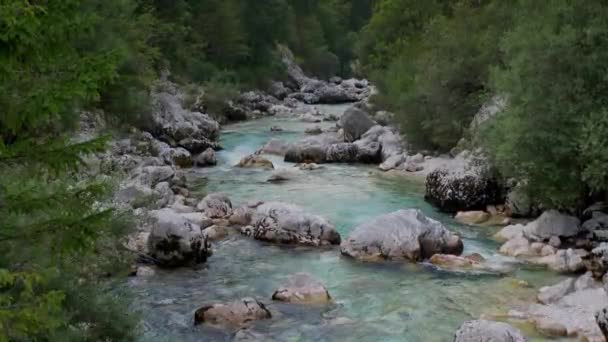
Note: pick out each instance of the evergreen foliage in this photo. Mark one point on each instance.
(56, 236)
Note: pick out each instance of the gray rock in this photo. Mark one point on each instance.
(601, 317)
(383, 118)
(597, 226)
(238, 313)
(215, 232)
(417, 158)
(510, 232)
(469, 187)
(550, 294)
(392, 162)
(311, 149)
(518, 203)
(255, 161)
(313, 130)
(565, 261)
(389, 140)
(368, 152)
(215, 205)
(207, 158)
(278, 90)
(199, 219)
(597, 260)
(274, 146)
(355, 123)
(552, 223)
(241, 216)
(288, 224)
(152, 175)
(401, 235)
(488, 331)
(341, 153)
(307, 98)
(332, 94)
(165, 194)
(174, 241)
(172, 123)
(177, 156)
(572, 315)
(302, 288)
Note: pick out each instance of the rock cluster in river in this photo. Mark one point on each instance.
(359, 140)
(569, 308)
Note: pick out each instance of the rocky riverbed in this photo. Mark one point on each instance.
(314, 222)
(392, 301)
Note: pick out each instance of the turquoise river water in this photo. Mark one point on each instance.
(371, 302)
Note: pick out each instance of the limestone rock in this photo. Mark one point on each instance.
(552, 223)
(174, 241)
(215, 205)
(288, 224)
(401, 235)
(355, 123)
(255, 161)
(467, 188)
(302, 288)
(206, 158)
(238, 313)
(488, 331)
(472, 217)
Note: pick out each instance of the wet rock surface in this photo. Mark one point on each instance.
(174, 241)
(468, 187)
(482, 330)
(402, 235)
(288, 224)
(235, 314)
(302, 288)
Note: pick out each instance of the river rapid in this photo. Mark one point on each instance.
(371, 302)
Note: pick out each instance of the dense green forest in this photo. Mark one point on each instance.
(434, 62)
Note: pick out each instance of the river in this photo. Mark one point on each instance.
(371, 302)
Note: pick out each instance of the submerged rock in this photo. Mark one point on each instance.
(302, 288)
(255, 161)
(401, 235)
(472, 217)
(174, 241)
(488, 331)
(288, 224)
(235, 314)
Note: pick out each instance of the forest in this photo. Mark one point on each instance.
(434, 64)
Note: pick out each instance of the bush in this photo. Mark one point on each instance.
(552, 133)
(439, 80)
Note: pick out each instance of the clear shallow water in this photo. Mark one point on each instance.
(372, 302)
